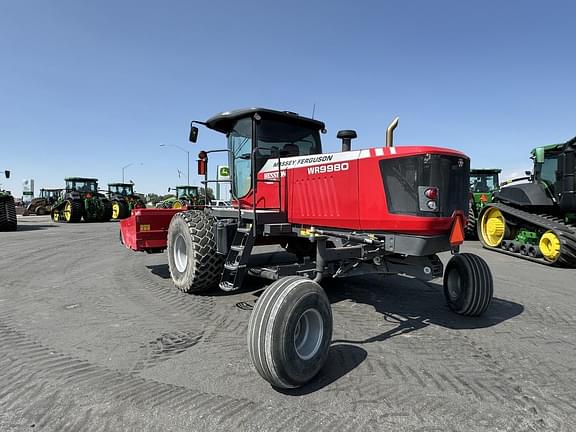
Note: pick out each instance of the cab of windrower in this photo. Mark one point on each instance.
(255, 135)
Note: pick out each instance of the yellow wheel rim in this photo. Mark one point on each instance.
(549, 246)
(492, 227)
(68, 211)
(177, 205)
(55, 216)
(115, 210)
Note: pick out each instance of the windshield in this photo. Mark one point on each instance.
(186, 191)
(287, 139)
(483, 182)
(82, 185)
(548, 169)
(122, 189)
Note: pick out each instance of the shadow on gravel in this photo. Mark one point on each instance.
(35, 227)
(413, 305)
(161, 270)
(342, 359)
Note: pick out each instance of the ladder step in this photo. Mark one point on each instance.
(227, 286)
(234, 267)
(237, 248)
(244, 230)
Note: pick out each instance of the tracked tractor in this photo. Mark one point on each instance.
(537, 220)
(483, 183)
(42, 205)
(187, 197)
(383, 210)
(81, 200)
(123, 199)
(8, 221)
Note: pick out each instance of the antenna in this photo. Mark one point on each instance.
(313, 110)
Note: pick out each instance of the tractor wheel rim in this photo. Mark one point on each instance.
(493, 227)
(68, 211)
(180, 254)
(549, 246)
(454, 285)
(177, 205)
(308, 334)
(115, 210)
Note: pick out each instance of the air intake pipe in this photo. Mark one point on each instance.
(346, 136)
(390, 132)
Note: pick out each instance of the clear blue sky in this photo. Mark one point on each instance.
(87, 87)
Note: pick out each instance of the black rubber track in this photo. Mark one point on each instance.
(566, 234)
(206, 269)
(478, 281)
(8, 220)
(76, 210)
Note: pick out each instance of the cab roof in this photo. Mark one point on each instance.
(120, 184)
(85, 179)
(224, 121)
(485, 171)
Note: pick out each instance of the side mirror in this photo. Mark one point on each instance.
(169, 189)
(193, 134)
(7, 174)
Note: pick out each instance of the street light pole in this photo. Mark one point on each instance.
(126, 166)
(123, 168)
(185, 151)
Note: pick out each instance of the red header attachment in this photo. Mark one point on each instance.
(457, 233)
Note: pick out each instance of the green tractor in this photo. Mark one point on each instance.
(81, 200)
(42, 205)
(124, 199)
(186, 197)
(483, 183)
(537, 220)
(8, 220)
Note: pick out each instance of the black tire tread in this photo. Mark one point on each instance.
(76, 210)
(480, 281)
(470, 228)
(8, 220)
(208, 264)
(260, 324)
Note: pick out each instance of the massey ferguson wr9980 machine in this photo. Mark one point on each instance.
(385, 210)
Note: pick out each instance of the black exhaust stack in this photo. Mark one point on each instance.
(346, 136)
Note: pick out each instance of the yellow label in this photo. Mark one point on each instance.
(145, 227)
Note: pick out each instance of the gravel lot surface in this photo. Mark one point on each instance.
(95, 337)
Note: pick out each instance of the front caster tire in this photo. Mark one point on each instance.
(194, 264)
(468, 284)
(290, 331)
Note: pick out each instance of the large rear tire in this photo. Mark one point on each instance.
(120, 210)
(470, 228)
(194, 264)
(290, 331)
(107, 212)
(468, 284)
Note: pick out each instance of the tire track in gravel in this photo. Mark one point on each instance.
(54, 381)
